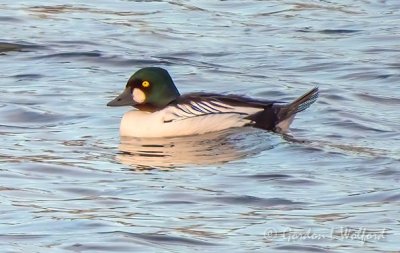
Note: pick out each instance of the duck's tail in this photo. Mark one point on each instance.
(285, 113)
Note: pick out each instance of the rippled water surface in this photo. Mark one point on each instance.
(68, 183)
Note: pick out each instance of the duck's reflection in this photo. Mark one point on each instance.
(208, 149)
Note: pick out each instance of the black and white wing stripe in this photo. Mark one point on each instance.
(202, 105)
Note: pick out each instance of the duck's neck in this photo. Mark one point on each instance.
(146, 108)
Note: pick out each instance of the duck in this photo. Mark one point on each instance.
(161, 111)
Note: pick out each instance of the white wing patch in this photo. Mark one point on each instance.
(205, 108)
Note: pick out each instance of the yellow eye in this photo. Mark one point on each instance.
(145, 84)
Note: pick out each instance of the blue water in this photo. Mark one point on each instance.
(68, 183)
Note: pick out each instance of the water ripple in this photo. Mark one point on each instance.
(21, 47)
(165, 239)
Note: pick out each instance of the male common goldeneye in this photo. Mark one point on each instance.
(161, 111)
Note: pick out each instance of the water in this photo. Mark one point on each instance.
(69, 184)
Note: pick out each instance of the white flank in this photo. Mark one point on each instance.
(185, 119)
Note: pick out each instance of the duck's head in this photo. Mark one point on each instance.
(152, 87)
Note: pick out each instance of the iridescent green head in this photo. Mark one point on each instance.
(151, 86)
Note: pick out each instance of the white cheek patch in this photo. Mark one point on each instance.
(138, 95)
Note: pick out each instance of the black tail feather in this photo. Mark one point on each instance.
(300, 104)
(278, 117)
(286, 112)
